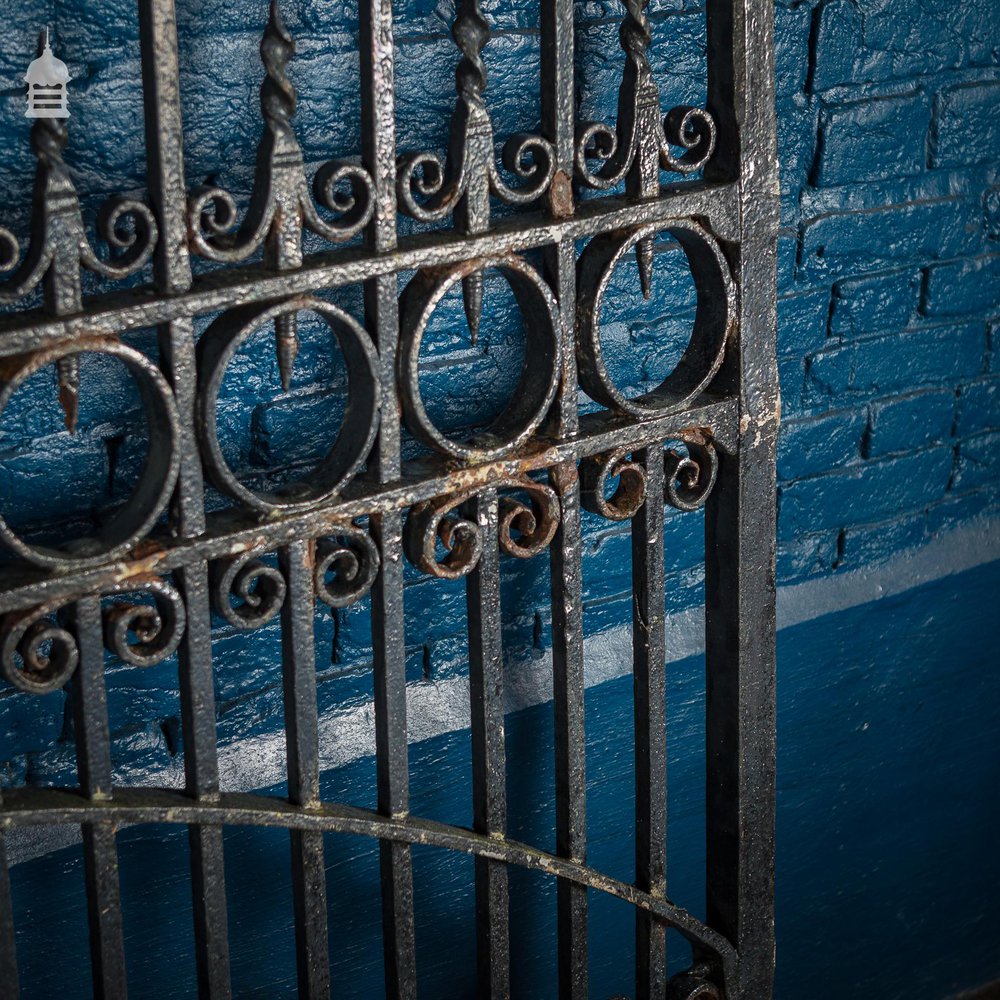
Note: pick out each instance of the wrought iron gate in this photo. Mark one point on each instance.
(145, 585)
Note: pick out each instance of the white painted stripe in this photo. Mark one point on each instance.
(438, 707)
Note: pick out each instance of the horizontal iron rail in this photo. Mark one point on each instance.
(221, 289)
(239, 532)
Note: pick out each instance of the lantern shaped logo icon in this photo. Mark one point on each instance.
(47, 78)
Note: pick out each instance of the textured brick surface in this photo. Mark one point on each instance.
(910, 422)
(873, 140)
(966, 125)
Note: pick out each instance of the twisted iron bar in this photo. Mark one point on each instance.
(638, 148)
(280, 205)
(59, 245)
(464, 184)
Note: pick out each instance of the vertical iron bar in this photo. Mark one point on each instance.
(172, 272)
(9, 983)
(489, 791)
(565, 561)
(740, 518)
(93, 764)
(649, 692)
(298, 663)
(388, 640)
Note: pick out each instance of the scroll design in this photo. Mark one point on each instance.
(258, 589)
(281, 203)
(463, 184)
(690, 478)
(347, 563)
(598, 472)
(693, 984)
(524, 529)
(144, 634)
(690, 471)
(639, 146)
(59, 246)
(38, 650)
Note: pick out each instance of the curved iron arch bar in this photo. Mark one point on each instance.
(41, 806)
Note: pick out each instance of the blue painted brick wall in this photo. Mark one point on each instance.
(889, 273)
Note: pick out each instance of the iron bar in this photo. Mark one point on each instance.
(388, 641)
(8, 947)
(172, 274)
(649, 693)
(125, 311)
(740, 519)
(565, 556)
(93, 763)
(489, 774)
(298, 656)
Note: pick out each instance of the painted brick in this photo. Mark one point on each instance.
(797, 141)
(792, 26)
(872, 140)
(842, 244)
(806, 447)
(807, 556)
(978, 461)
(978, 407)
(991, 214)
(860, 41)
(960, 507)
(882, 489)
(57, 477)
(911, 422)
(880, 303)
(871, 543)
(963, 287)
(885, 364)
(802, 321)
(838, 44)
(791, 379)
(788, 251)
(966, 126)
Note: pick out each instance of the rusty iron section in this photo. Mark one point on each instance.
(143, 587)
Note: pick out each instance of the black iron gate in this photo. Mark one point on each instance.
(144, 586)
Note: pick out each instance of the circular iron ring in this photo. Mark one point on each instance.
(539, 380)
(715, 317)
(132, 522)
(349, 450)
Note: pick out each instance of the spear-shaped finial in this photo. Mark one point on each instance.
(472, 297)
(644, 258)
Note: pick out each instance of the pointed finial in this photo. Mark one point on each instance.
(472, 297)
(644, 258)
